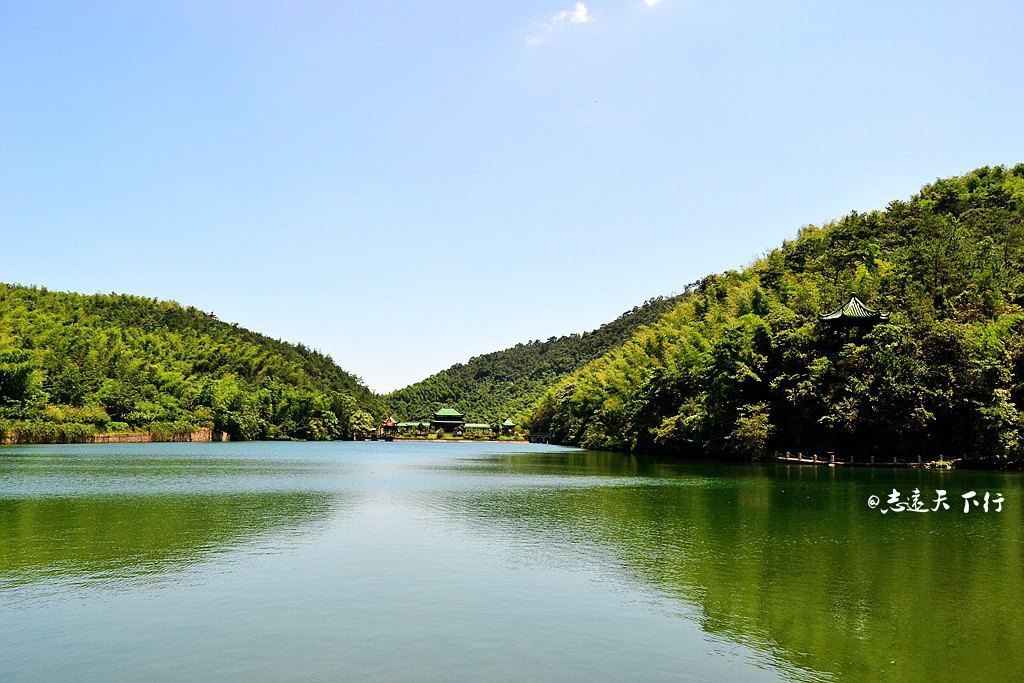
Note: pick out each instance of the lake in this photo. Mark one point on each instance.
(441, 561)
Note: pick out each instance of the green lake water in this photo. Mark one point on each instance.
(423, 561)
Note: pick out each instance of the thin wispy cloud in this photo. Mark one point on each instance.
(579, 14)
(651, 3)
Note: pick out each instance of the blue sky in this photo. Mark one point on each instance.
(406, 185)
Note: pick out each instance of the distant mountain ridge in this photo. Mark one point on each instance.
(506, 383)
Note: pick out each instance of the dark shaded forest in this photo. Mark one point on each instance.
(743, 366)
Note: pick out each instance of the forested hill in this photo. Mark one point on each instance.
(505, 383)
(73, 364)
(743, 366)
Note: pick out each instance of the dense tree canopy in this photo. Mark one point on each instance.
(72, 365)
(742, 365)
(506, 383)
(738, 365)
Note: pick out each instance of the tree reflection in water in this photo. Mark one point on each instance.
(790, 560)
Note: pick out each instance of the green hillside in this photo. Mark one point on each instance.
(72, 365)
(505, 383)
(743, 366)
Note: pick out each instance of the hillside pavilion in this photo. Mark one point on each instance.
(853, 318)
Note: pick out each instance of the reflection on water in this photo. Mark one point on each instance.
(119, 537)
(427, 561)
(791, 560)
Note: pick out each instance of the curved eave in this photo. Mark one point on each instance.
(854, 311)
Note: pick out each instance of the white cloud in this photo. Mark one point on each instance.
(651, 3)
(579, 14)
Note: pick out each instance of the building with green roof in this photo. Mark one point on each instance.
(448, 419)
(854, 313)
(853, 318)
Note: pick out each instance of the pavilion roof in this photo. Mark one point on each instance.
(448, 412)
(390, 422)
(508, 422)
(477, 425)
(854, 310)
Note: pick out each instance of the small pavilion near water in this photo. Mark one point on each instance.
(389, 428)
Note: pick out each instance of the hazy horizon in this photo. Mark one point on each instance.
(405, 187)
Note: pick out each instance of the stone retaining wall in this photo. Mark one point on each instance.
(205, 434)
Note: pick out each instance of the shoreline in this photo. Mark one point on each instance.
(423, 440)
(145, 437)
(833, 461)
(201, 435)
(210, 436)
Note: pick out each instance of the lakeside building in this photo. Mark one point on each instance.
(448, 419)
(389, 428)
(418, 428)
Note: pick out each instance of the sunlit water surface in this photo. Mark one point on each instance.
(422, 561)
